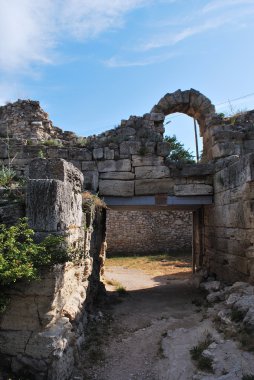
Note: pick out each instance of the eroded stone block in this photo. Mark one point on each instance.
(147, 160)
(117, 175)
(116, 188)
(114, 166)
(152, 186)
(193, 189)
(151, 172)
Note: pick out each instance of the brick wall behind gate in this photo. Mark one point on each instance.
(148, 231)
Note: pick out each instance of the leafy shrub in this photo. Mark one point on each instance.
(21, 257)
(81, 141)
(7, 175)
(177, 151)
(53, 142)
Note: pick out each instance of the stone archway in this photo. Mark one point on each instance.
(190, 102)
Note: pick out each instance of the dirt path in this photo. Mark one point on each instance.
(150, 308)
(154, 326)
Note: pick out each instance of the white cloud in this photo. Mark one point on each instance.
(168, 39)
(10, 91)
(88, 18)
(25, 35)
(31, 29)
(198, 26)
(218, 4)
(144, 61)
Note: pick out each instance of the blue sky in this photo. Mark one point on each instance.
(92, 63)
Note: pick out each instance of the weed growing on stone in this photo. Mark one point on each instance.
(41, 154)
(7, 176)
(53, 142)
(81, 141)
(203, 363)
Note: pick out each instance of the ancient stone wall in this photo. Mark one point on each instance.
(131, 161)
(43, 327)
(146, 231)
(229, 222)
(126, 161)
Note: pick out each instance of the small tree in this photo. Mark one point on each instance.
(177, 151)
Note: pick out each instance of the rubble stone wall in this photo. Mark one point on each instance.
(146, 231)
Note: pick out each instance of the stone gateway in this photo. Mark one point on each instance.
(42, 328)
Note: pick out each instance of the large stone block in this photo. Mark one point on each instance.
(114, 166)
(129, 147)
(147, 160)
(88, 165)
(98, 153)
(157, 117)
(116, 188)
(225, 149)
(193, 189)
(52, 206)
(57, 153)
(151, 172)
(152, 186)
(57, 169)
(163, 148)
(236, 174)
(91, 180)
(80, 154)
(109, 154)
(117, 175)
(54, 201)
(193, 170)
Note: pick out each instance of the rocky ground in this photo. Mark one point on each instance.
(164, 328)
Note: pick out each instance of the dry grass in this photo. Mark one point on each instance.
(93, 198)
(178, 265)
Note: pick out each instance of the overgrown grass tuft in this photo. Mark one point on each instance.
(7, 176)
(203, 363)
(121, 290)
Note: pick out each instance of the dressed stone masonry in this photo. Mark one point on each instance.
(43, 327)
(131, 161)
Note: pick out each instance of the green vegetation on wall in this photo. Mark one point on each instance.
(21, 258)
(177, 151)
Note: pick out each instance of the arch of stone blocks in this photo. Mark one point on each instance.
(190, 102)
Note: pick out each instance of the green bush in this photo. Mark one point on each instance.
(21, 257)
(53, 142)
(177, 151)
(7, 175)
